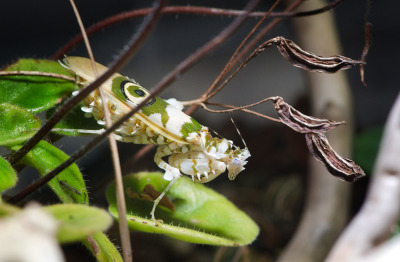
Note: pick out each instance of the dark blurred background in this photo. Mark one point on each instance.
(272, 190)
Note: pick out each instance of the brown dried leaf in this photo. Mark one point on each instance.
(307, 60)
(343, 168)
(367, 46)
(302, 123)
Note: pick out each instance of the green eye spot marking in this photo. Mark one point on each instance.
(116, 87)
(128, 90)
(132, 89)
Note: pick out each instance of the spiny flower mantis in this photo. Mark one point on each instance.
(192, 150)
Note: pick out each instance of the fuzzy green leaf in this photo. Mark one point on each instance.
(102, 248)
(78, 221)
(16, 125)
(201, 215)
(68, 185)
(8, 177)
(35, 93)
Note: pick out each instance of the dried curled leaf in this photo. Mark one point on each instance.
(302, 123)
(307, 60)
(338, 166)
(367, 46)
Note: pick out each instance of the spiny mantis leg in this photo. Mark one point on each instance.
(170, 172)
(160, 197)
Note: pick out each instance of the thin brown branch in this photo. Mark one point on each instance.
(380, 211)
(36, 73)
(243, 107)
(249, 47)
(205, 49)
(229, 64)
(234, 108)
(297, 57)
(136, 41)
(121, 203)
(142, 12)
(182, 10)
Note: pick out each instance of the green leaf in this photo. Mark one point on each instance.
(366, 148)
(35, 93)
(68, 185)
(8, 177)
(16, 125)
(78, 221)
(102, 248)
(201, 215)
(74, 120)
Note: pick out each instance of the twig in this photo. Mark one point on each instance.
(36, 73)
(214, 90)
(212, 44)
(121, 203)
(250, 46)
(380, 211)
(184, 10)
(233, 107)
(229, 64)
(240, 108)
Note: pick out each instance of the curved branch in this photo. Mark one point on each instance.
(234, 108)
(36, 73)
(182, 10)
(246, 49)
(380, 211)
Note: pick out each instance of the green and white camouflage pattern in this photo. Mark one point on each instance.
(190, 147)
